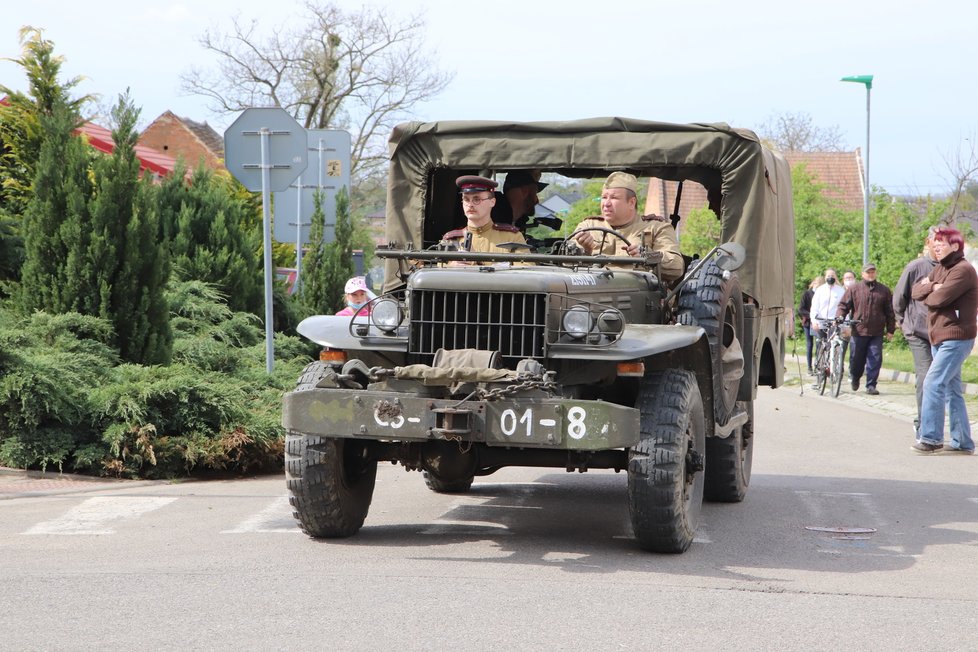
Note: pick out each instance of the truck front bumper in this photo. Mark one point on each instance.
(550, 423)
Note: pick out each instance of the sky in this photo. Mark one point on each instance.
(741, 63)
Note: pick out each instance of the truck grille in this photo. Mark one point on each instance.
(513, 324)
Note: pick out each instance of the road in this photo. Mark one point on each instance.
(530, 560)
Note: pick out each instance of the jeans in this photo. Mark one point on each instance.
(922, 357)
(867, 355)
(942, 385)
(809, 344)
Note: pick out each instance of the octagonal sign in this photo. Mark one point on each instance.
(286, 157)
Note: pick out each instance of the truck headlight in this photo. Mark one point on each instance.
(577, 322)
(610, 322)
(387, 315)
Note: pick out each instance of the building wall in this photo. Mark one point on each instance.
(169, 135)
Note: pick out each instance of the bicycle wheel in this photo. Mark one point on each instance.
(836, 366)
(822, 368)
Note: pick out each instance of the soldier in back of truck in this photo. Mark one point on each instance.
(480, 233)
(619, 211)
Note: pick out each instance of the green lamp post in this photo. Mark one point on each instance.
(867, 80)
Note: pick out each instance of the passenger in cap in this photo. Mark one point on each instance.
(480, 233)
(517, 202)
(357, 295)
(619, 212)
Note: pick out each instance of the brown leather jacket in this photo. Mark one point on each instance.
(872, 305)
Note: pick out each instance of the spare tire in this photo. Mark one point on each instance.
(714, 302)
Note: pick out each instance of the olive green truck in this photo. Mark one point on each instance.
(541, 356)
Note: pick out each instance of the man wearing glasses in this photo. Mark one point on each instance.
(480, 233)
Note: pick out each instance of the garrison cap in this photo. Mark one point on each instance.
(473, 183)
(520, 178)
(622, 180)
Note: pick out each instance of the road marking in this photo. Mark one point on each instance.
(94, 514)
(276, 517)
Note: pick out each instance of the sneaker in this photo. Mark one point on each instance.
(855, 384)
(872, 391)
(925, 449)
(951, 450)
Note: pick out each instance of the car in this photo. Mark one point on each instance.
(544, 357)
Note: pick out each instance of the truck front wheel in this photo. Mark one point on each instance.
(665, 469)
(330, 482)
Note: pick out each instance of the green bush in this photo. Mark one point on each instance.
(66, 401)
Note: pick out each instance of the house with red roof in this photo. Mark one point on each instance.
(195, 142)
(839, 173)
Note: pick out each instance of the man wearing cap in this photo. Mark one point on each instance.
(871, 303)
(519, 198)
(619, 211)
(480, 233)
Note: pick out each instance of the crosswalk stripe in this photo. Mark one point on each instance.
(94, 514)
(276, 517)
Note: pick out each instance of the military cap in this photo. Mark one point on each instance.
(622, 180)
(520, 178)
(473, 183)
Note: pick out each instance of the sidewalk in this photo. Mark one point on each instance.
(897, 397)
(18, 483)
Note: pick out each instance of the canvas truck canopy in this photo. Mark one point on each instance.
(748, 185)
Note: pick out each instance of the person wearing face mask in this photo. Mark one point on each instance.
(848, 278)
(357, 294)
(826, 300)
(871, 303)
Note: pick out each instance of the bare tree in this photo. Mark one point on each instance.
(357, 71)
(962, 165)
(797, 132)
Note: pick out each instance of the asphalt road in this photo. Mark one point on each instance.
(846, 540)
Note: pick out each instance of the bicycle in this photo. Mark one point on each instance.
(828, 365)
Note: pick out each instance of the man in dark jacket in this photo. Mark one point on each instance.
(950, 293)
(871, 303)
(912, 317)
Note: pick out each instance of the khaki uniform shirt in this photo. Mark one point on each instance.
(486, 237)
(651, 230)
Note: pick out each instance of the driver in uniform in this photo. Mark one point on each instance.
(619, 212)
(480, 233)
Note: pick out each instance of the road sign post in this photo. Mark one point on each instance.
(277, 142)
(329, 152)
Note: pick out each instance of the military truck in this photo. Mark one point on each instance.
(541, 356)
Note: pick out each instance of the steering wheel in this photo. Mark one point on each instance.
(605, 232)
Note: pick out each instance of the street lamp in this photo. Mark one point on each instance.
(868, 81)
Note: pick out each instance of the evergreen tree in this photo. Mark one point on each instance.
(57, 222)
(328, 266)
(313, 292)
(126, 261)
(211, 234)
(21, 133)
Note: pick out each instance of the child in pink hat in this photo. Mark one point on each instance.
(357, 295)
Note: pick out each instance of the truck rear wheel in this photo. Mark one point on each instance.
(665, 469)
(729, 461)
(440, 486)
(714, 302)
